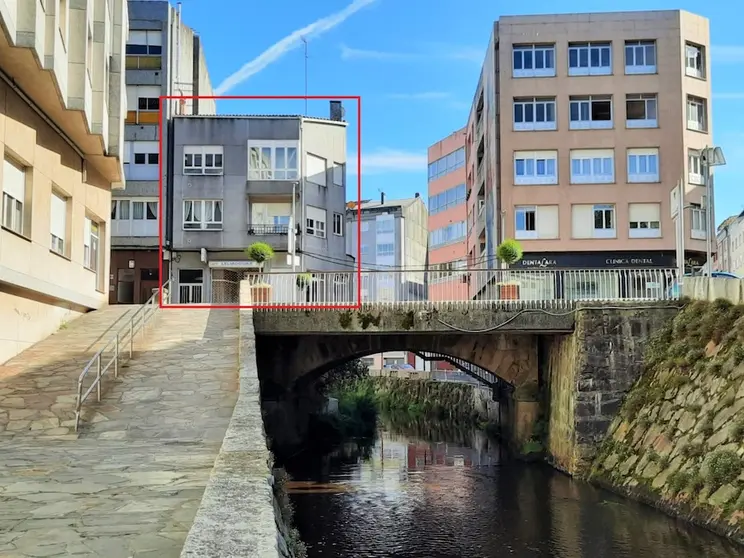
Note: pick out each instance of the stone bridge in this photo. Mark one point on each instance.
(571, 368)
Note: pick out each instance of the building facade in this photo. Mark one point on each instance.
(575, 144)
(730, 245)
(244, 179)
(393, 247)
(62, 110)
(448, 218)
(164, 58)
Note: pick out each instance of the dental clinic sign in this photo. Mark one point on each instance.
(597, 260)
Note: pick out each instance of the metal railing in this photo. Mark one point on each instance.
(474, 371)
(119, 348)
(263, 230)
(510, 288)
(454, 376)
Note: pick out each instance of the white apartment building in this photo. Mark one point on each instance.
(62, 110)
(730, 245)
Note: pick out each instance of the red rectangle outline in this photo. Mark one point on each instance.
(161, 207)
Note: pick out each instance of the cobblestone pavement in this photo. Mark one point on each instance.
(130, 485)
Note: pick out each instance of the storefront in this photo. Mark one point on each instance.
(591, 275)
(134, 276)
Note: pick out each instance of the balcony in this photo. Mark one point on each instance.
(276, 236)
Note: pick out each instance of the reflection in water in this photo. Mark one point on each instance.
(455, 495)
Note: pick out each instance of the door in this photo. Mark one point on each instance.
(148, 284)
(190, 286)
(125, 286)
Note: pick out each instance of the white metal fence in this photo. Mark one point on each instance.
(509, 288)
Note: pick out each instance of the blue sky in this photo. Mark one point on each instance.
(416, 63)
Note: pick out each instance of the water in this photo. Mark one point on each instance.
(452, 493)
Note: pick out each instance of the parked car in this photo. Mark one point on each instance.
(674, 289)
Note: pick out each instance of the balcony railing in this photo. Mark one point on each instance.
(265, 230)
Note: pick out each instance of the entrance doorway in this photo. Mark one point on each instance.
(148, 284)
(125, 286)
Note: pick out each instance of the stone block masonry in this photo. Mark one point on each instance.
(238, 516)
(588, 374)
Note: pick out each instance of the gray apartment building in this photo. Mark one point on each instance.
(394, 242)
(244, 179)
(163, 57)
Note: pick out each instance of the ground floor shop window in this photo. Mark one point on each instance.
(190, 286)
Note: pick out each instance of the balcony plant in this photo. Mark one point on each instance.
(260, 252)
(509, 252)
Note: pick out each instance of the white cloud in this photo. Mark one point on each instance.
(728, 54)
(422, 96)
(288, 43)
(384, 161)
(728, 96)
(433, 51)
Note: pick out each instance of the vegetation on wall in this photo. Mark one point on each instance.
(678, 440)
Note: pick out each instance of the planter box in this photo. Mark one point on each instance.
(261, 294)
(509, 292)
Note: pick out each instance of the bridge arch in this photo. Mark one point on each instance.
(289, 362)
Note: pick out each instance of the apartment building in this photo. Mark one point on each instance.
(164, 57)
(448, 218)
(730, 245)
(393, 249)
(244, 179)
(62, 109)
(581, 125)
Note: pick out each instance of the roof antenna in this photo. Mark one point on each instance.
(304, 42)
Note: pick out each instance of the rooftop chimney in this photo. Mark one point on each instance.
(382, 197)
(337, 111)
(417, 195)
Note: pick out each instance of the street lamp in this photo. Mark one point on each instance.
(709, 157)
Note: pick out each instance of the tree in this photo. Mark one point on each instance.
(351, 370)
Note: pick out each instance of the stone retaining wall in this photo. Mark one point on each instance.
(238, 513)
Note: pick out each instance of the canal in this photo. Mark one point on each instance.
(442, 491)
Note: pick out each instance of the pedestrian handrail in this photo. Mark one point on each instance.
(124, 337)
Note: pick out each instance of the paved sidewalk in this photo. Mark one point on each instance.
(131, 484)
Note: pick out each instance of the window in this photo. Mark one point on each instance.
(386, 249)
(593, 112)
(143, 104)
(365, 226)
(697, 222)
(317, 170)
(120, 210)
(202, 215)
(315, 221)
(593, 221)
(205, 159)
(385, 224)
(534, 61)
(640, 57)
(451, 197)
(190, 286)
(644, 220)
(454, 232)
(338, 173)
(134, 217)
(640, 111)
(534, 114)
(365, 249)
(14, 195)
(643, 165)
(447, 164)
(58, 224)
(537, 167)
(144, 50)
(272, 160)
(604, 221)
(592, 166)
(338, 224)
(536, 222)
(91, 244)
(697, 114)
(589, 59)
(695, 60)
(694, 168)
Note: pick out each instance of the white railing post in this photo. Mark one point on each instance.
(131, 337)
(116, 355)
(98, 378)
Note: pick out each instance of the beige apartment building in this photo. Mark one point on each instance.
(62, 110)
(581, 126)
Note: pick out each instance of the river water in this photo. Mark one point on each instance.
(430, 492)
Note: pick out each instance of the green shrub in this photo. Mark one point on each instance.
(304, 280)
(723, 467)
(678, 481)
(509, 251)
(260, 252)
(737, 431)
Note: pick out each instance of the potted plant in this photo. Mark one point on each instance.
(260, 252)
(303, 282)
(509, 252)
